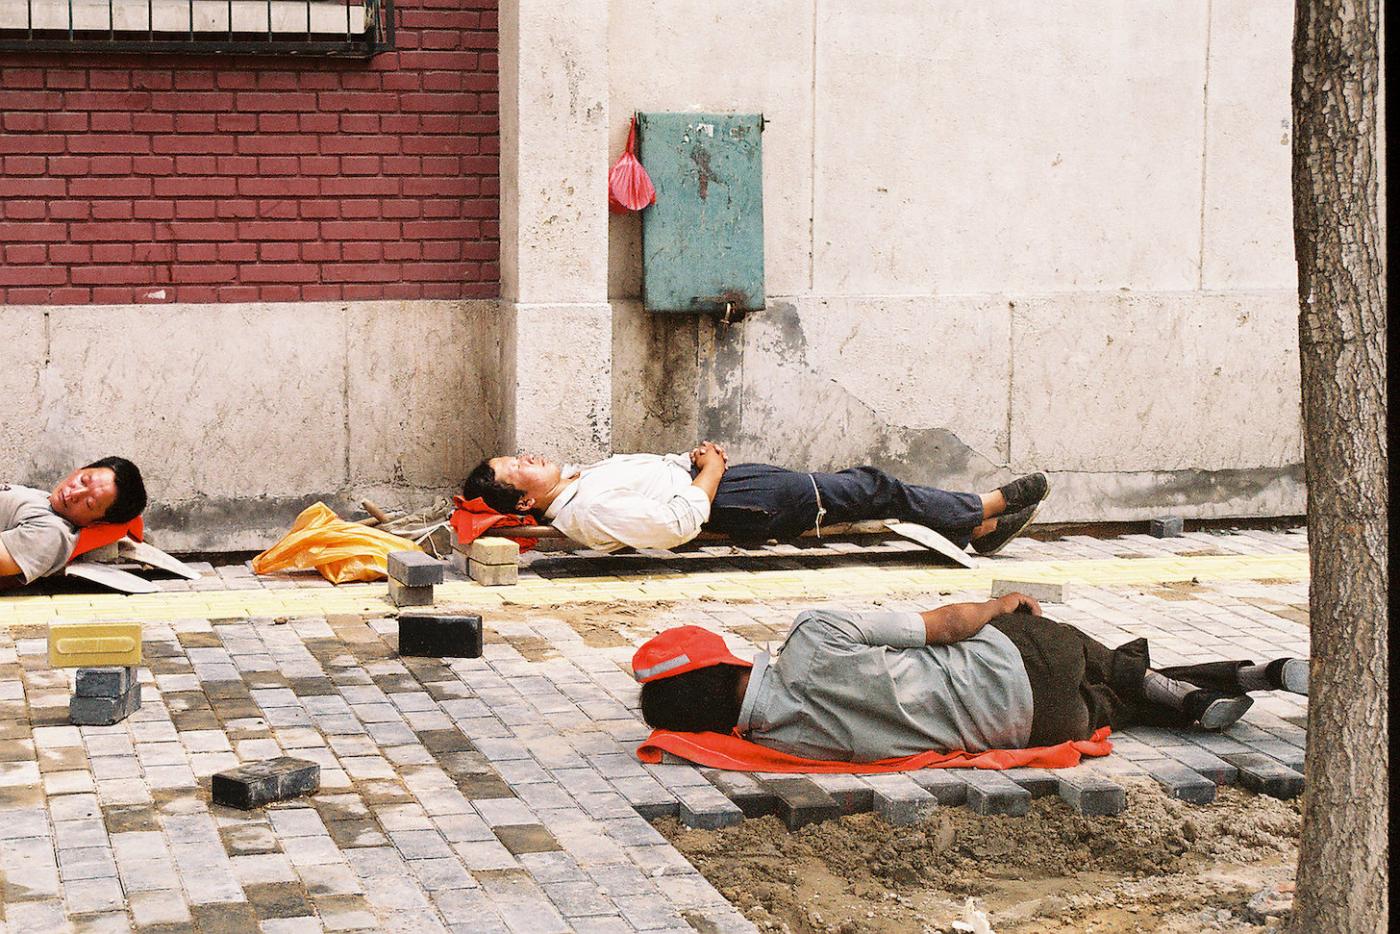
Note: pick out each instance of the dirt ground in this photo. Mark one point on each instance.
(1160, 866)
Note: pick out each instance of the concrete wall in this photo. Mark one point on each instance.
(1000, 236)
(241, 415)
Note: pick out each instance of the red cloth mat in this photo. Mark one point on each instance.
(739, 755)
(104, 533)
(473, 518)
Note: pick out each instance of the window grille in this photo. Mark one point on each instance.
(245, 27)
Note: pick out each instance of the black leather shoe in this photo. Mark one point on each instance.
(1025, 491)
(1288, 674)
(1215, 711)
(1009, 525)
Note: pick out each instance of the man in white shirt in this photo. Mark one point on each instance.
(665, 500)
(39, 530)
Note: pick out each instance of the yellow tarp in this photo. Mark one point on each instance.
(341, 551)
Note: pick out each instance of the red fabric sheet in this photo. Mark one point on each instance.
(739, 755)
(473, 518)
(104, 533)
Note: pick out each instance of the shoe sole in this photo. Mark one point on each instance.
(1224, 711)
(1012, 537)
(1295, 676)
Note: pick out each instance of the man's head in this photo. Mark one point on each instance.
(689, 680)
(109, 490)
(514, 483)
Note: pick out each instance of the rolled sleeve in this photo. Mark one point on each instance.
(904, 630)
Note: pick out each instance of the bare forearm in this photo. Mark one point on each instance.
(958, 621)
(708, 480)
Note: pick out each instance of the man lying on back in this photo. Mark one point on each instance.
(665, 500)
(39, 530)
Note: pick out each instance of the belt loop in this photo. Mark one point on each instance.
(821, 510)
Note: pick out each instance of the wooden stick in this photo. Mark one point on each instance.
(375, 512)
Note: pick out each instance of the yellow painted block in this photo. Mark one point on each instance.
(94, 645)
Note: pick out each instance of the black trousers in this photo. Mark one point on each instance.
(1078, 684)
(759, 501)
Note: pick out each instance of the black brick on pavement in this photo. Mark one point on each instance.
(1204, 763)
(943, 784)
(258, 783)
(1181, 782)
(440, 636)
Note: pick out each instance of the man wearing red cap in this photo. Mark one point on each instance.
(967, 676)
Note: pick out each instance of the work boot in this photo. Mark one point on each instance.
(1025, 491)
(1215, 711)
(1288, 674)
(1009, 525)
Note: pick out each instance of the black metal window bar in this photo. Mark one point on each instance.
(354, 28)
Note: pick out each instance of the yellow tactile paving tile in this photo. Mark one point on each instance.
(24, 609)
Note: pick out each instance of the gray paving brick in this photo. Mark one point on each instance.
(1181, 782)
(703, 806)
(1205, 763)
(1264, 775)
(802, 802)
(899, 800)
(1090, 793)
(943, 784)
(852, 792)
(1039, 782)
(751, 796)
(990, 792)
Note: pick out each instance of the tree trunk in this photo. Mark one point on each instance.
(1343, 868)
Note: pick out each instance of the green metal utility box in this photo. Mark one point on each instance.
(702, 241)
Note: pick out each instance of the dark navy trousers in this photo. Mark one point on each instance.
(760, 501)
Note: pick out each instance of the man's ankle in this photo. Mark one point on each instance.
(993, 504)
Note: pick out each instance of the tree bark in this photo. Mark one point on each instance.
(1343, 865)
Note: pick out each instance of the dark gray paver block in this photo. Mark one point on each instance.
(991, 792)
(704, 807)
(258, 783)
(104, 711)
(1181, 782)
(899, 800)
(440, 636)
(802, 802)
(104, 682)
(1165, 527)
(1204, 763)
(415, 568)
(1264, 775)
(1039, 782)
(403, 595)
(852, 792)
(750, 795)
(1286, 753)
(1091, 794)
(943, 784)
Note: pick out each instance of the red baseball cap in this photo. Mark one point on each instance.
(678, 650)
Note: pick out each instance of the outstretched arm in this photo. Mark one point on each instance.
(958, 621)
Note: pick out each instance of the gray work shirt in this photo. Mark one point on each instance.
(864, 687)
(37, 538)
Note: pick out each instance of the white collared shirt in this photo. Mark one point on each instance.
(641, 500)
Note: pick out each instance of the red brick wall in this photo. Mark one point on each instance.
(256, 179)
